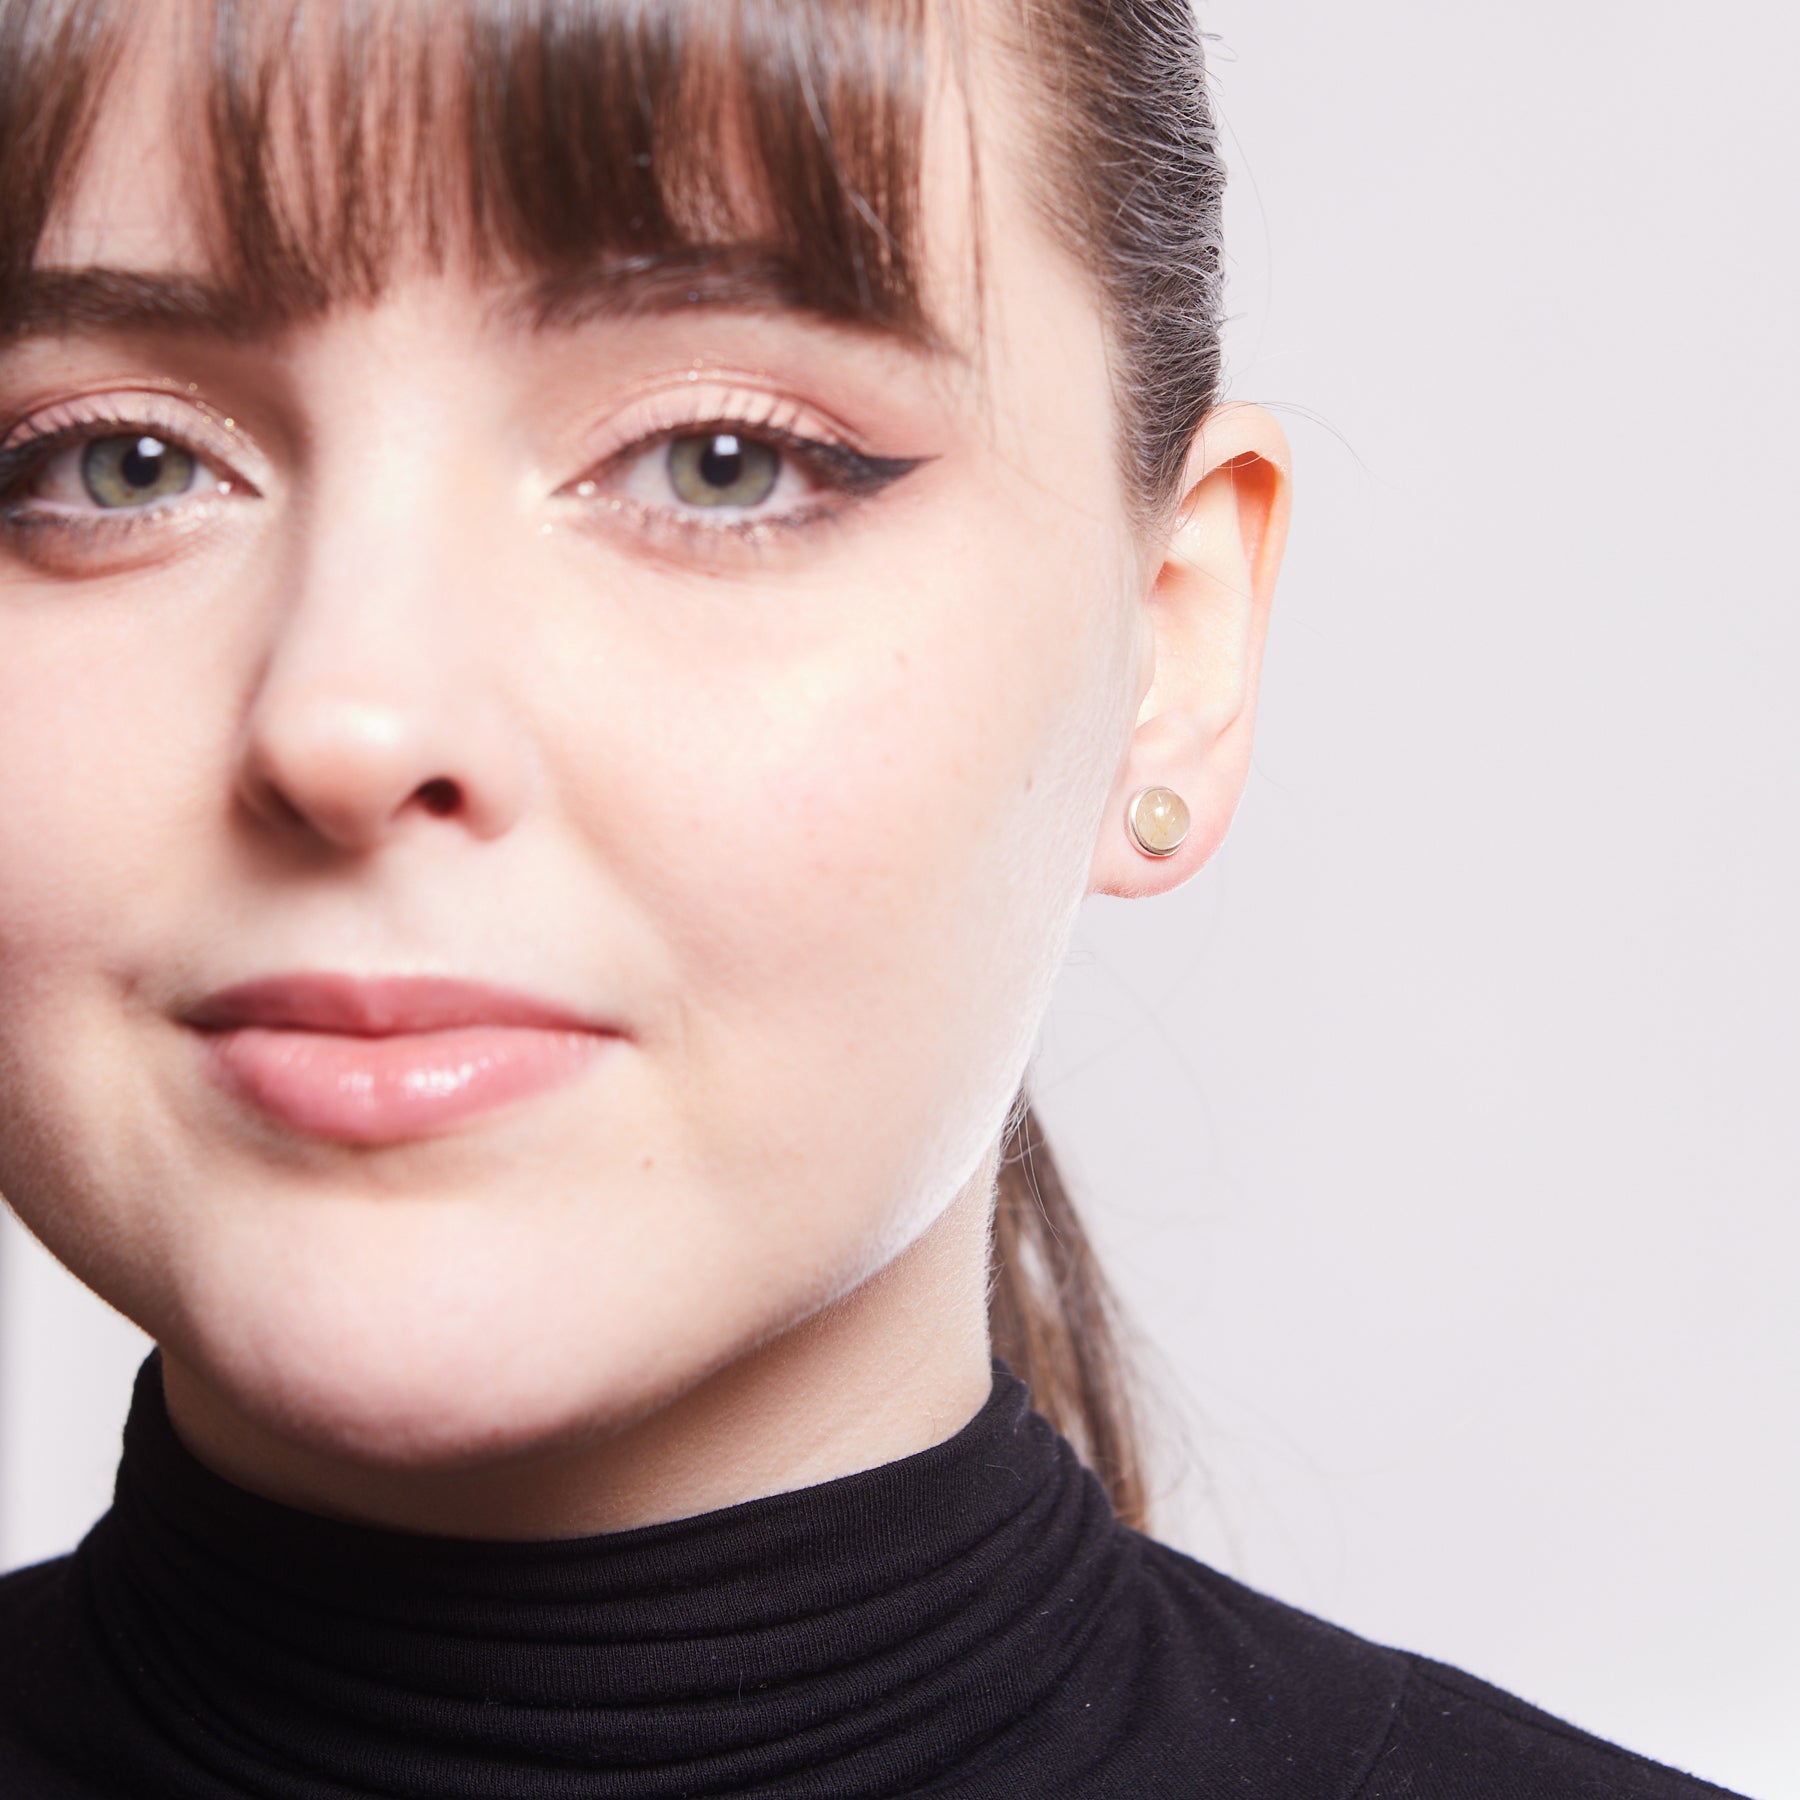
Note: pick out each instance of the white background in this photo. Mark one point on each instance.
(1442, 1136)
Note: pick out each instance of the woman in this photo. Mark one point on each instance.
(586, 590)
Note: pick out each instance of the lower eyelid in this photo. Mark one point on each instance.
(77, 543)
(654, 530)
(72, 541)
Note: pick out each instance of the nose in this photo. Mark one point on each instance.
(376, 707)
(357, 770)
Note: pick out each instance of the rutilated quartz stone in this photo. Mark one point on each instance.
(1158, 818)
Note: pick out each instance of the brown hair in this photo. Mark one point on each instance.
(696, 143)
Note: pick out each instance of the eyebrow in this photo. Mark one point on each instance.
(72, 302)
(64, 302)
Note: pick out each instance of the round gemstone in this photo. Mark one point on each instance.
(1159, 821)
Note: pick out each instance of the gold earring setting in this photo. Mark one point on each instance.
(1157, 819)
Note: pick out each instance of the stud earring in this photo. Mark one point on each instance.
(1157, 819)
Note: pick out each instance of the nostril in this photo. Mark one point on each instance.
(284, 808)
(439, 797)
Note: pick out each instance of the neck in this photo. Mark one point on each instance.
(895, 1366)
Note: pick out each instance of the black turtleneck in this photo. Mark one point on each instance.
(969, 1621)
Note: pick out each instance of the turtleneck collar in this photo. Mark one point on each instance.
(854, 1638)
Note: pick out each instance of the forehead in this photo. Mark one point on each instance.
(294, 162)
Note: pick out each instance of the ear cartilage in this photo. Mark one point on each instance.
(1157, 819)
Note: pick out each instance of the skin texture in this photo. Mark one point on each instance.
(805, 817)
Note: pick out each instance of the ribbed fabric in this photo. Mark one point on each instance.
(969, 1621)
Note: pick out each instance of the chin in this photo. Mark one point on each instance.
(449, 1362)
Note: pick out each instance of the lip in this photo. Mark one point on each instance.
(379, 1060)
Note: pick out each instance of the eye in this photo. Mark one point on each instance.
(99, 484)
(106, 469)
(743, 469)
(722, 468)
(135, 470)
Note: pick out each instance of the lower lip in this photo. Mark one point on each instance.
(385, 1090)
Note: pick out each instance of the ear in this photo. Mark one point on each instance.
(1206, 618)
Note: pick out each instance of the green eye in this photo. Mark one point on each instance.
(130, 471)
(722, 469)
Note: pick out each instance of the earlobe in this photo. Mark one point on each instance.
(1207, 605)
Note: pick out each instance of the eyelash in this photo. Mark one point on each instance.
(850, 475)
(70, 427)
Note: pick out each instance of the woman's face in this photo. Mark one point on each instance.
(415, 641)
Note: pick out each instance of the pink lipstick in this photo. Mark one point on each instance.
(379, 1061)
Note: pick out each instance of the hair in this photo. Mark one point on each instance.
(693, 142)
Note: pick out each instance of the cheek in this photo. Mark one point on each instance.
(94, 826)
(119, 702)
(863, 837)
(93, 767)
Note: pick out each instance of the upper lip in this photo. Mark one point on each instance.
(376, 1006)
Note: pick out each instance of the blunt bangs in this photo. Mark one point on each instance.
(686, 142)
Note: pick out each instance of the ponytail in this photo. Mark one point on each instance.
(1055, 1320)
